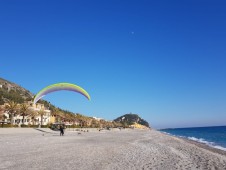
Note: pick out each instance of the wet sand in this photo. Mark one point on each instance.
(126, 149)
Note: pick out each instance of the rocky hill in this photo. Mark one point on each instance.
(130, 119)
(12, 91)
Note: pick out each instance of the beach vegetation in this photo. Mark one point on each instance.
(24, 110)
(8, 126)
(12, 109)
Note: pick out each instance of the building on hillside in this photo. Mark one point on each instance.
(52, 118)
(97, 118)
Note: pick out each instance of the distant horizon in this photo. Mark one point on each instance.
(192, 127)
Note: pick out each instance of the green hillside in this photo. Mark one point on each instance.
(14, 92)
(129, 119)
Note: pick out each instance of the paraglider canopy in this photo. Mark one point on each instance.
(59, 87)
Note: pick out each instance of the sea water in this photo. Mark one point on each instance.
(212, 136)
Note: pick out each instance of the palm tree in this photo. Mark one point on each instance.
(12, 108)
(41, 113)
(2, 113)
(24, 110)
(2, 116)
(32, 115)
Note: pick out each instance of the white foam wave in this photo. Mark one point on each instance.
(220, 147)
(211, 144)
(173, 135)
(201, 140)
(166, 133)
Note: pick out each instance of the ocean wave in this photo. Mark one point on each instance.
(173, 134)
(211, 144)
(166, 133)
(220, 147)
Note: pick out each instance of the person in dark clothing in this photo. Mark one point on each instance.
(61, 131)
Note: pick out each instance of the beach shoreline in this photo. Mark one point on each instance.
(126, 149)
(199, 144)
(205, 146)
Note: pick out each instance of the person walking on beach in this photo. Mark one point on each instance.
(61, 130)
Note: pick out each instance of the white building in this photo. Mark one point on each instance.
(35, 120)
(97, 118)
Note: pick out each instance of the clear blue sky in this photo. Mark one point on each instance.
(165, 60)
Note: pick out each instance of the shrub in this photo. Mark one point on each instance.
(24, 126)
(45, 126)
(33, 126)
(74, 126)
(8, 126)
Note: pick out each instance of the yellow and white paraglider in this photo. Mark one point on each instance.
(59, 87)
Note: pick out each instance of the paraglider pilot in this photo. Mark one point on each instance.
(61, 130)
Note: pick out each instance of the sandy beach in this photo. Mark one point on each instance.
(126, 149)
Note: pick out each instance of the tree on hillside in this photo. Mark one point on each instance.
(74, 119)
(60, 116)
(129, 119)
(68, 117)
(82, 120)
(95, 123)
(12, 109)
(1, 98)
